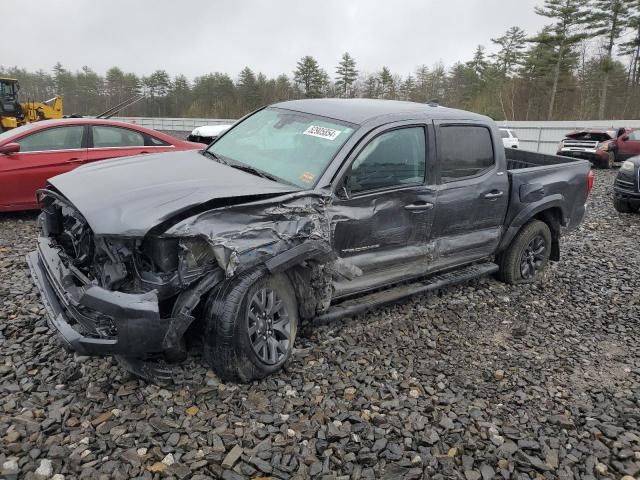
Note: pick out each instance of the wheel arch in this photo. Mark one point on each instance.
(549, 212)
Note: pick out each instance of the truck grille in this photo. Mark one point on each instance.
(589, 144)
(624, 184)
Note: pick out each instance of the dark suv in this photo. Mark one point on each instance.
(626, 197)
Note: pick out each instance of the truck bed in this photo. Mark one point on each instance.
(518, 159)
(552, 180)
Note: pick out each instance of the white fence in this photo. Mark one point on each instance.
(537, 136)
(545, 136)
(173, 124)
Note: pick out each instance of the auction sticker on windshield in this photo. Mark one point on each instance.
(322, 132)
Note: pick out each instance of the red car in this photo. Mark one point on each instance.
(31, 154)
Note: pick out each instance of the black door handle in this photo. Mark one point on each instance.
(416, 207)
(493, 195)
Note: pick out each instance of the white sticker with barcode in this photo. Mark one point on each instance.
(322, 132)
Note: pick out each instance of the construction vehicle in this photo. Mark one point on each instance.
(14, 114)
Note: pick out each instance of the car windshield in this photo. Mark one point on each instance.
(291, 146)
(504, 133)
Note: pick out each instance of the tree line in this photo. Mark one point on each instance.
(583, 64)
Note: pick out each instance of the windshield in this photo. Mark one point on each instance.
(7, 89)
(291, 146)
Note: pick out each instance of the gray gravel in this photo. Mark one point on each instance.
(479, 382)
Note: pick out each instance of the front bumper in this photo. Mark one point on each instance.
(598, 156)
(629, 195)
(91, 320)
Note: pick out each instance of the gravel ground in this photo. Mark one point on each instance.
(481, 381)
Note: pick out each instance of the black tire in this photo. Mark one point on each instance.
(531, 247)
(232, 336)
(622, 205)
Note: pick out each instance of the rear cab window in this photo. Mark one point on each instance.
(465, 151)
(111, 137)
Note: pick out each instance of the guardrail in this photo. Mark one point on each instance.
(536, 136)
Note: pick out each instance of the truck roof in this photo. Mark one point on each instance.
(362, 110)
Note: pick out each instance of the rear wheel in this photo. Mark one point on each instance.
(250, 326)
(527, 256)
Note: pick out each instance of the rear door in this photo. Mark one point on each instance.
(108, 141)
(629, 145)
(473, 193)
(43, 154)
(383, 224)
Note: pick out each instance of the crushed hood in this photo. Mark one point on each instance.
(597, 135)
(130, 196)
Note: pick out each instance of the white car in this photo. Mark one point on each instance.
(207, 133)
(509, 138)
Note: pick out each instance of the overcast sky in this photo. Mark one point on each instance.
(199, 36)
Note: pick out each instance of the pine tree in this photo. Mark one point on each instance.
(423, 82)
(632, 47)
(312, 78)
(407, 88)
(512, 46)
(608, 20)
(562, 36)
(347, 74)
(248, 91)
(387, 84)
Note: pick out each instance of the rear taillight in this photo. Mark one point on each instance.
(590, 180)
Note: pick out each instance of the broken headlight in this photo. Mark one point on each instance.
(195, 257)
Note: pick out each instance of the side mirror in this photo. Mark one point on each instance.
(625, 138)
(10, 148)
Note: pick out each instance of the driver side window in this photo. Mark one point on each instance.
(394, 158)
(635, 135)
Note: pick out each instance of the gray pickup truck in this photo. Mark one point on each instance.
(304, 210)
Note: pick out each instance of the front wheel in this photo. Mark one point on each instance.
(622, 205)
(250, 326)
(525, 259)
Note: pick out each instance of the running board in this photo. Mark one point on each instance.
(367, 302)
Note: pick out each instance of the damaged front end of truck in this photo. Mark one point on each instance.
(135, 296)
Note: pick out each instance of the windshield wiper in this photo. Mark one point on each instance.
(246, 168)
(254, 171)
(215, 157)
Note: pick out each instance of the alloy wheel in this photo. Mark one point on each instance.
(269, 326)
(533, 257)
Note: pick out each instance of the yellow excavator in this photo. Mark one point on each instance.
(14, 114)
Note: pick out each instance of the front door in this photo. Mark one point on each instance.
(43, 154)
(381, 218)
(473, 193)
(629, 145)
